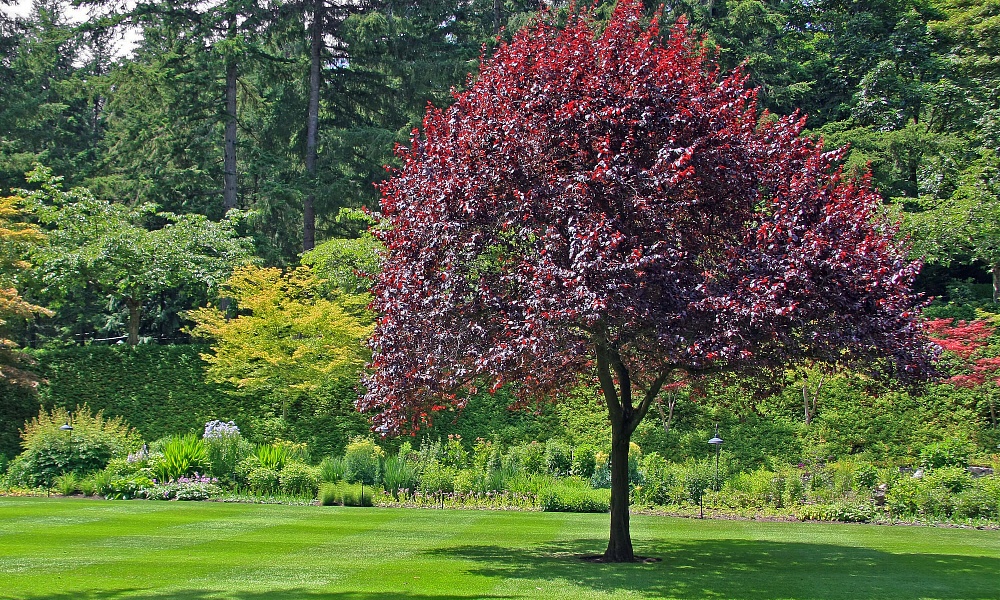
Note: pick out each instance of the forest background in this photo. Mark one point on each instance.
(187, 202)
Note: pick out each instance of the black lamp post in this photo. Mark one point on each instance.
(66, 427)
(717, 442)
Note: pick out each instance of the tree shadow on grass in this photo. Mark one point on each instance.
(746, 569)
(291, 594)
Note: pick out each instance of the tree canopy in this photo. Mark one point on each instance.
(610, 204)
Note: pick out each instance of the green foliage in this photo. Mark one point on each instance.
(527, 457)
(362, 461)
(262, 480)
(132, 255)
(846, 512)
(161, 390)
(67, 484)
(436, 478)
(272, 456)
(299, 479)
(181, 455)
(328, 494)
(225, 452)
(574, 496)
(50, 451)
(949, 453)
(343, 494)
(286, 340)
(558, 457)
(331, 469)
(19, 404)
(398, 474)
(87, 486)
(584, 461)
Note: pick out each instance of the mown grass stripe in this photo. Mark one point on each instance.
(62, 549)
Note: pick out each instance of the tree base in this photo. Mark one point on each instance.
(600, 558)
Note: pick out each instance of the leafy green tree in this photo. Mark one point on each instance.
(126, 254)
(286, 339)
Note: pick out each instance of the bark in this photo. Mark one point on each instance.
(229, 191)
(133, 320)
(996, 282)
(312, 125)
(497, 17)
(620, 540)
(665, 418)
(810, 397)
(625, 417)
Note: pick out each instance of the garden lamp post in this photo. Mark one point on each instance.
(66, 427)
(717, 442)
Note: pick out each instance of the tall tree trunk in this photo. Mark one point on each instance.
(625, 417)
(229, 191)
(996, 282)
(312, 125)
(497, 16)
(133, 321)
(620, 539)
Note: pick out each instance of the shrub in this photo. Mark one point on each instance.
(952, 479)
(262, 480)
(497, 479)
(584, 461)
(566, 497)
(865, 477)
(331, 470)
(469, 480)
(437, 478)
(342, 494)
(660, 482)
(528, 458)
(67, 484)
(50, 451)
(299, 479)
(848, 512)
(273, 456)
(978, 502)
(696, 477)
(558, 457)
(329, 494)
(601, 478)
(181, 455)
(486, 456)
(119, 488)
(362, 460)
(87, 486)
(193, 488)
(949, 453)
(453, 453)
(398, 474)
(225, 447)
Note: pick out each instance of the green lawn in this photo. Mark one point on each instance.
(79, 549)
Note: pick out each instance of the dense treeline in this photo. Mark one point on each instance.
(238, 132)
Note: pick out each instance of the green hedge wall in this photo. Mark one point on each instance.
(159, 390)
(17, 405)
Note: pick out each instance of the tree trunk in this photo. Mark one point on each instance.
(620, 541)
(133, 321)
(229, 192)
(624, 417)
(312, 125)
(665, 418)
(996, 282)
(497, 16)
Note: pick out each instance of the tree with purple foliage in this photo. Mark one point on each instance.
(611, 205)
